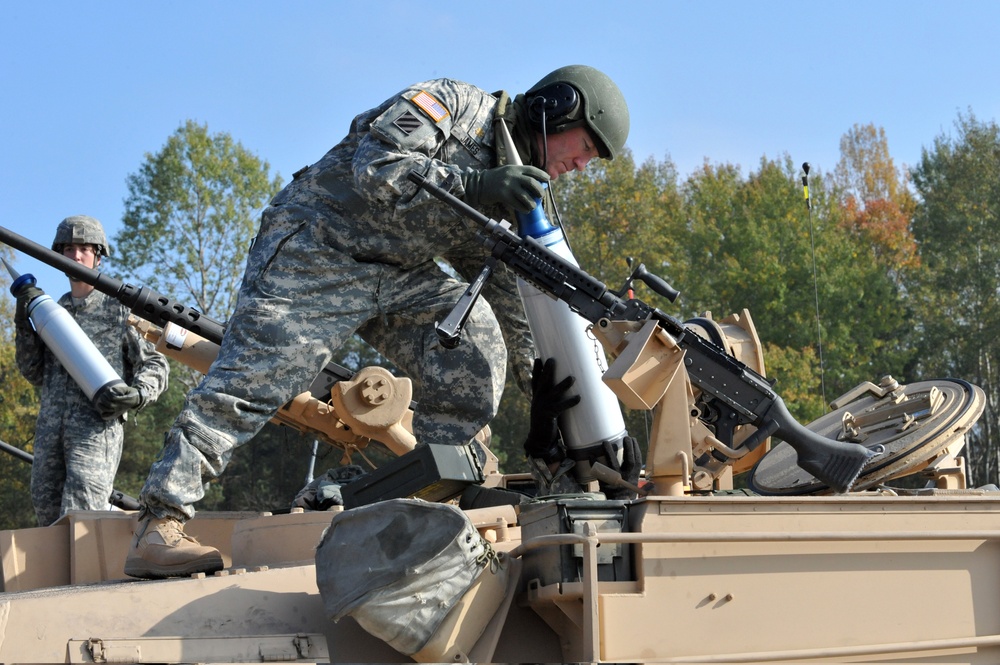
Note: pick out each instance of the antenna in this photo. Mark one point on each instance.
(812, 245)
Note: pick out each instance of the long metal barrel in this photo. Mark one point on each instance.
(152, 306)
(143, 302)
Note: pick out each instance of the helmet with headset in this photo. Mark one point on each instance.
(578, 95)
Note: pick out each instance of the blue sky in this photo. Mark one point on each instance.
(88, 88)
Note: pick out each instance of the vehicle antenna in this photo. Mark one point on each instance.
(812, 244)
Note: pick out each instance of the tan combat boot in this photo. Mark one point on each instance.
(160, 548)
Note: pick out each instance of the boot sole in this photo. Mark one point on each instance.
(146, 570)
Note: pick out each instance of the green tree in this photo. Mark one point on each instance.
(192, 209)
(754, 244)
(957, 225)
(619, 211)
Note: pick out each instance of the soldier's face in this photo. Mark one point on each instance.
(568, 151)
(82, 254)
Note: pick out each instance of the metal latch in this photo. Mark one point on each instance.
(113, 653)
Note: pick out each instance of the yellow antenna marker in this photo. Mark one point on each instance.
(805, 185)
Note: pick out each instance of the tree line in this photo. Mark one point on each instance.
(877, 271)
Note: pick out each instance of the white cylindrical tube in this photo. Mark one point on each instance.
(71, 346)
(560, 333)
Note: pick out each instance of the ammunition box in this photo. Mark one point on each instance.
(564, 563)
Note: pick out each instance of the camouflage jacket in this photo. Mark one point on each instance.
(104, 320)
(439, 128)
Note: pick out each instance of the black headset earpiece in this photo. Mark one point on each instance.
(552, 105)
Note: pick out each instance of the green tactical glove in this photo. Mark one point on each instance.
(116, 400)
(514, 186)
(25, 295)
(548, 402)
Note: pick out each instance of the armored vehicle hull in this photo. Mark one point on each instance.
(724, 578)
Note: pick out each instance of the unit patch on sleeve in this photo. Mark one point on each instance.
(408, 122)
(430, 106)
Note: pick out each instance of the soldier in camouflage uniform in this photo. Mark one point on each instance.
(351, 246)
(78, 444)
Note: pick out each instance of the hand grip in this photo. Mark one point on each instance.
(658, 284)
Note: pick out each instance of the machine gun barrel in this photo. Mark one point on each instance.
(718, 375)
(150, 305)
(142, 301)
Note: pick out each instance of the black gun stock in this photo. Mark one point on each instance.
(718, 375)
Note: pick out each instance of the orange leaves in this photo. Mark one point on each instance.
(886, 226)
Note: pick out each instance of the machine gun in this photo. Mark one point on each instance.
(340, 407)
(728, 387)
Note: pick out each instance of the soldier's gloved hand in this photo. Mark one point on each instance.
(548, 402)
(629, 468)
(116, 400)
(25, 296)
(514, 186)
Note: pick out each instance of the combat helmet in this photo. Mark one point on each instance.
(80, 230)
(580, 95)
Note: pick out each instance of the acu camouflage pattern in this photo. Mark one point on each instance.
(80, 230)
(76, 452)
(349, 246)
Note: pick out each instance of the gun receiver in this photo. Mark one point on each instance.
(719, 376)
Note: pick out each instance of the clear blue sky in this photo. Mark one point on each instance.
(88, 88)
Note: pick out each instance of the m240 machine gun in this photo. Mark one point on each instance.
(730, 396)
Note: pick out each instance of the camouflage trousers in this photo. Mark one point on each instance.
(76, 456)
(301, 298)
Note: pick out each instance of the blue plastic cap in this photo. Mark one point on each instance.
(26, 279)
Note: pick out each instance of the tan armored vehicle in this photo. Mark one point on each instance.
(821, 560)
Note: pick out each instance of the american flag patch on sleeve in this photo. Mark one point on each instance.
(430, 106)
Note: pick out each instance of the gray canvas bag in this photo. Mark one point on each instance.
(398, 566)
